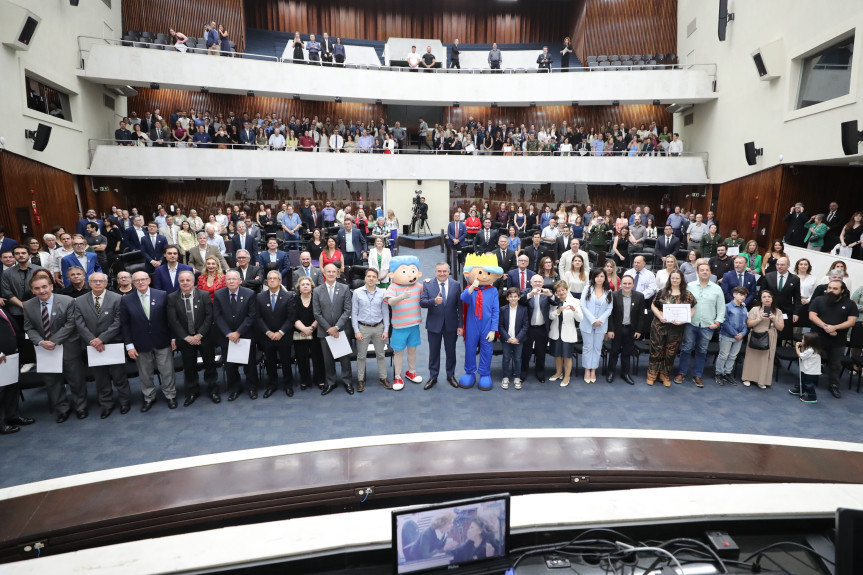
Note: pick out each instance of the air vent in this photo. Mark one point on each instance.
(689, 119)
(691, 28)
(108, 101)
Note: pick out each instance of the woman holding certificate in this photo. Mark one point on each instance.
(665, 334)
(758, 362)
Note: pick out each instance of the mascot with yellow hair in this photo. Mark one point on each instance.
(481, 310)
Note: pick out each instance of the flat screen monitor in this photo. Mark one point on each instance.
(849, 535)
(460, 536)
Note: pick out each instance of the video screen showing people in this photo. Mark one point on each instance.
(463, 533)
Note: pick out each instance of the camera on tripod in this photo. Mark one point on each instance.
(417, 201)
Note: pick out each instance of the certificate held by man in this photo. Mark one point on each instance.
(677, 312)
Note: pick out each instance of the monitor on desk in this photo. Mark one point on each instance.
(460, 536)
(849, 535)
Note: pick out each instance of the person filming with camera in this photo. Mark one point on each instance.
(420, 212)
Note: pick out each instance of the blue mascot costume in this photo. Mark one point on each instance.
(480, 318)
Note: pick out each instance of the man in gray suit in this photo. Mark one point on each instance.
(306, 269)
(331, 306)
(97, 317)
(197, 256)
(49, 320)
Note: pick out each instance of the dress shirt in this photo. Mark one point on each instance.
(696, 231)
(140, 232)
(710, 304)
(217, 241)
(645, 282)
(538, 318)
(83, 261)
(50, 305)
(329, 214)
(366, 143)
(369, 308)
(627, 309)
(291, 221)
(513, 314)
(675, 221)
(172, 273)
(153, 238)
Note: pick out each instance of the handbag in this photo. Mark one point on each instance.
(759, 340)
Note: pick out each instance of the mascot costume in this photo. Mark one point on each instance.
(480, 318)
(403, 297)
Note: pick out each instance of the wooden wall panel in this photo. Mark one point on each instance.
(170, 101)
(629, 27)
(476, 21)
(587, 116)
(186, 16)
(54, 195)
(741, 198)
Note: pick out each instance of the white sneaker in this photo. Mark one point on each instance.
(746, 384)
(517, 383)
(505, 383)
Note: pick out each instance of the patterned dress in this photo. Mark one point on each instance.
(665, 339)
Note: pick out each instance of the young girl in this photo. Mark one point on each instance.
(809, 352)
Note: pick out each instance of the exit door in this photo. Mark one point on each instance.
(25, 227)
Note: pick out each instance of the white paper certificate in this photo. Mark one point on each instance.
(681, 312)
(239, 352)
(9, 370)
(339, 346)
(49, 361)
(114, 354)
(732, 251)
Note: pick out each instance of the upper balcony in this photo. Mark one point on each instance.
(114, 64)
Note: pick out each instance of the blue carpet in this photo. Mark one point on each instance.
(46, 449)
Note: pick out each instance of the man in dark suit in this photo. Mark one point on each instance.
(738, 277)
(190, 315)
(274, 258)
(796, 230)
(331, 305)
(87, 261)
(97, 318)
(10, 414)
(159, 136)
(786, 293)
(251, 276)
(441, 297)
(166, 275)
(276, 312)
(153, 247)
(537, 301)
(835, 221)
(314, 220)
(534, 251)
(355, 251)
(81, 226)
(666, 245)
(456, 234)
(306, 269)
(520, 277)
(626, 316)
(485, 240)
(247, 136)
(243, 240)
(235, 314)
(132, 237)
(306, 212)
(6, 244)
(49, 321)
(505, 256)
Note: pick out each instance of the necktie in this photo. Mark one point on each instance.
(308, 272)
(242, 242)
(233, 299)
(486, 236)
(273, 300)
(637, 274)
(522, 280)
(443, 291)
(3, 315)
(781, 282)
(145, 303)
(98, 305)
(242, 276)
(330, 289)
(46, 321)
(190, 315)
(740, 279)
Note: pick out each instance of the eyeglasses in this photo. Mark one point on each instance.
(139, 280)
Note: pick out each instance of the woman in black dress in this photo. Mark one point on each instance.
(564, 54)
(306, 342)
(850, 236)
(299, 58)
(776, 251)
(315, 247)
(532, 216)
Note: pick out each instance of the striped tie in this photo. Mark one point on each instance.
(98, 306)
(46, 321)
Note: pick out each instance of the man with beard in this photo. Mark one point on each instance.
(832, 315)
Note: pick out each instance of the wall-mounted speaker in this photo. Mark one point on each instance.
(769, 60)
(851, 138)
(752, 152)
(18, 26)
(40, 137)
(724, 18)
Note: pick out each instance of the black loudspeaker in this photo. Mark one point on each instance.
(43, 134)
(73, 2)
(27, 31)
(752, 152)
(850, 138)
(759, 64)
(724, 19)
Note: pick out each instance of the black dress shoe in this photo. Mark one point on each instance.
(216, 398)
(269, 391)
(430, 383)
(303, 386)
(328, 389)
(190, 399)
(172, 403)
(253, 394)
(7, 429)
(21, 421)
(610, 377)
(835, 391)
(628, 379)
(540, 378)
(233, 395)
(106, 413)
(124, 409)
(82, 414)
(63, 417)
(452, 381)
(350, 389)
(289, 391)
(148, 405)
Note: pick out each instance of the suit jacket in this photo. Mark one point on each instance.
(603, 313)
(130, 239)
(170, 232)
(81, 227)
(104, 325)
(72, 260)
(729, 282)
(6, 244)
(671, 249)
(788, 300)
(480, 246)
(283, 260)
(636, 312)
(247, 136)
(316, 275)
(534, 255)
(253, 278)
(561, 244)
(145, 334)
(507, 261)
(446, 316)
(796, 228)
(240, 318)
(8, 338)
(835, 225)
(521, 323)
(457, 231)
(152, 252)
(251, 246)
(162, 278)
(513, 278)
(160, 134)
(202, 311)
(313, 221)
(530, 304)
(193, 258)
(357, 237)
(281, 318)
(335, 313)
(63, 329)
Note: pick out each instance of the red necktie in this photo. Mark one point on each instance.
(522, 280)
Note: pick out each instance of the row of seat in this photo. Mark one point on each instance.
(161, 42)
(634, 61)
